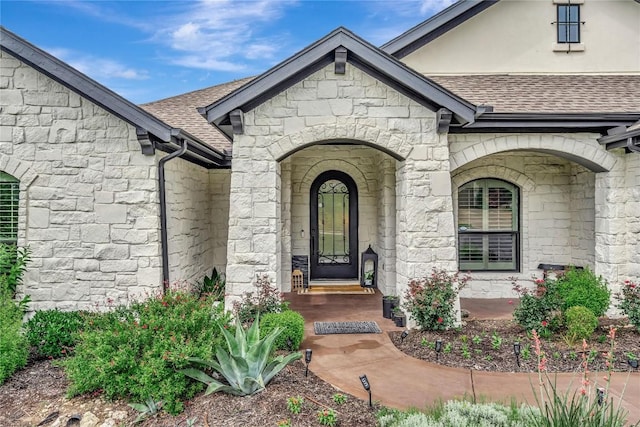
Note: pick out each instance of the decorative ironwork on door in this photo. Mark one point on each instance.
(333, 223)
(334, 226)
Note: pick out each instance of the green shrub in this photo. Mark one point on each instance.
(14, 348)
(13, 264)
(292, 325)
(580, 322)
(136, 352)
(265, 299)
(214, 285)
(246, 363)
(629, 302)
(539, 309)
(53, 333)
(583, 287)
(430, 300)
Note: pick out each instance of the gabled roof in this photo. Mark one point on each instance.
(435, 26)
(360, 54)
(151, 130)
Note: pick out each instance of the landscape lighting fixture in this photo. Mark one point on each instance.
(307, 358)
(367, 387)
(633, 362)
(404, 335)
(600, 392)
(516, 351)
(438, 349)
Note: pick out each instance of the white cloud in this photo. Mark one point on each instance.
(429, 7)
(98, 68)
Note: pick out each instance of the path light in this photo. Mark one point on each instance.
(404, 335)
(367, 387)
(600, 396)
(633, 362)
(307, 358)
(516, 351)
(438, 349)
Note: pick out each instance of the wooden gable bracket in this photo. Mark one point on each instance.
(237, 121)
(146, 145)
(443, 119)
(341, 60)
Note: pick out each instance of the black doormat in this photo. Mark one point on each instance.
(328, 328)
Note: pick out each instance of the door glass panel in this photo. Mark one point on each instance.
(333, 223)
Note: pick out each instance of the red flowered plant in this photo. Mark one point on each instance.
(430, 300)
(629, 302)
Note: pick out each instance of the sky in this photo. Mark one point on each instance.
(150, 50)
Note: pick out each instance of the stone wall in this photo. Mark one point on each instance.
(354, 108)
(556, 211)
(219, 181)
(189, 221)
(88, 207)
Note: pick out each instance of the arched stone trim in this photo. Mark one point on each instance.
(507, 174)
(23, 173)
(591, 156)
(341, 165)
(18, 169)
(396, 145)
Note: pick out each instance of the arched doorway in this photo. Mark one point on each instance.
(334, 226)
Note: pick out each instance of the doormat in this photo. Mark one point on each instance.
(336, 290)
(328, 328)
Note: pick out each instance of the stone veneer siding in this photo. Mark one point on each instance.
(88, 207)
(569, 214)
(357, 108)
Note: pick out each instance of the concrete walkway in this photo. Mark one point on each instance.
(400, 381)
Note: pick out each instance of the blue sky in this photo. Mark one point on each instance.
(149, 50)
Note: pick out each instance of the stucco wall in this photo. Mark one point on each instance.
(88, 207)
(518, 37)
(557, 210)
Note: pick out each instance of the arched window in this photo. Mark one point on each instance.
(9, 192)
(488, 226)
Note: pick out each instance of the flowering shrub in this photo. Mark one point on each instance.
(136, 352)
(327, 417)
(265, 299)
(539, 309)
(430, 300)
(630, 302)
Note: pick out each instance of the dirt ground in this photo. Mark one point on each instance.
(35, 396)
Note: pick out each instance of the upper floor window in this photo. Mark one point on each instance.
(568, 23)
(488, 229)
(9, 192)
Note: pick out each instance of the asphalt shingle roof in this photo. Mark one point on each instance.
(506, 93)
(548, 93)
(181, 112)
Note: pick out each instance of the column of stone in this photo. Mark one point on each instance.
(254, 217)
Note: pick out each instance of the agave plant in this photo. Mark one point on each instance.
(247, 365)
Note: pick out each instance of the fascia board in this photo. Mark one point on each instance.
(82, 84)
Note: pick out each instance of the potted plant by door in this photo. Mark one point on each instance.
(368, 278)
(389, 302)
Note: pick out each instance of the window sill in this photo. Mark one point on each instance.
(568, 47)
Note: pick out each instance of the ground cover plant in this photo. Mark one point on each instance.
(135, 352)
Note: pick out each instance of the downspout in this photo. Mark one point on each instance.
(163, 214)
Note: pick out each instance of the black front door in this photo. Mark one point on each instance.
(334, 227)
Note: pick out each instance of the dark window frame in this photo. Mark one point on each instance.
(468, 233)
(9, 208)
(565, 23)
